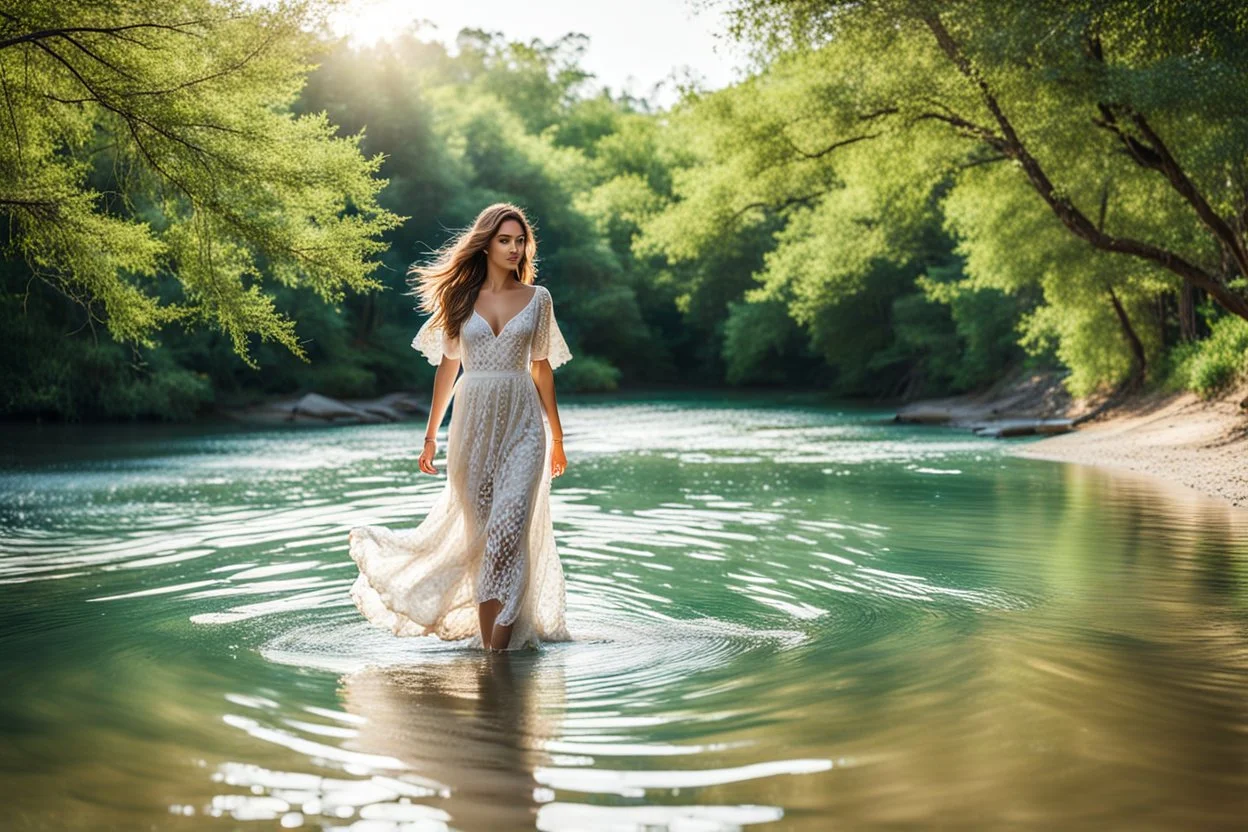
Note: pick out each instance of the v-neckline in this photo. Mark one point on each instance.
(523, 309)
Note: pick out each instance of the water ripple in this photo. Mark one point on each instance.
(780, 613)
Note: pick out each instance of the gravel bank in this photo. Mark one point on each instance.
(1199, 444)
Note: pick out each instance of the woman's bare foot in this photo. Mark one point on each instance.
(501, 637)
(487, 611)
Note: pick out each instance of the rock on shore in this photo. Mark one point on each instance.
(313, 408)
(1018, 405)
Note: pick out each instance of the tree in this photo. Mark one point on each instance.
(1067, 93)
(151, 140)
(833, 235)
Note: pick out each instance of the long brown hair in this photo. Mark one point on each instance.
(447, 285)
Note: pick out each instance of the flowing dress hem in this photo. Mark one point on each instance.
(379, 609)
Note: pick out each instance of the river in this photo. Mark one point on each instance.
(789, 614)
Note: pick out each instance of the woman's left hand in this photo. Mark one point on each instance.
(558, 462)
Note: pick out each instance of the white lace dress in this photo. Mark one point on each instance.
(489, 532)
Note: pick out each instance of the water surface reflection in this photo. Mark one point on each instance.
(786, 616)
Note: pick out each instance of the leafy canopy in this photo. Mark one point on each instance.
(149, 139)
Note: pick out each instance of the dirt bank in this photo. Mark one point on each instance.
(1199, 444)
(1020, 398)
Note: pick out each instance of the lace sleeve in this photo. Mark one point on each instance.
(434, 343)
(548, 341)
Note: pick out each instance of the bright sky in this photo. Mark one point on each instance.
(632, 46)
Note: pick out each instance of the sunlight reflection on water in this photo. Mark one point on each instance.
(785, 615)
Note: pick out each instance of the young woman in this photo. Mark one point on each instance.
(483, 563)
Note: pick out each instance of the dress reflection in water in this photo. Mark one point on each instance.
(489, 533)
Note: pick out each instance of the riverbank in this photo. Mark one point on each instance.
(1019, 404)
(1178, 437)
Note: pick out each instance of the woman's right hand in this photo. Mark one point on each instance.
(426, 456)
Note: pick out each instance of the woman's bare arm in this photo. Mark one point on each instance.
(443, 383)
(544, 379)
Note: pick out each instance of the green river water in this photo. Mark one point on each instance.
(788, 614)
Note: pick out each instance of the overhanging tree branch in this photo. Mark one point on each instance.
(1154, 154)
(968, 129)
(115, 31)
(779, 206)
(818, 154)
(132, 118)
(1181, 182)
(1066, 211)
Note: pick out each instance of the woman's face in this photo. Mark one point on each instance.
(507, 247)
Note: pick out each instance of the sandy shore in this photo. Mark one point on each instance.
(1198, 444)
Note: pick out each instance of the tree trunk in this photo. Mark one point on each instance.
(1187, 312)
(1139, 363)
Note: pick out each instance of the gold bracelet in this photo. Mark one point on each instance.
(431, 440)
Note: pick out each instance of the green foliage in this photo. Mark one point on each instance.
(850, 216)
(149, 139)
(1210, 366)
(537, 81)
(783, 160)
(1027, 121)
(159, 390)
(948, 338)
(91, 377)
(449, 133)
(496, 121)
(1014, 245)
(762, 345)
(985, 321)
(589, 374)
